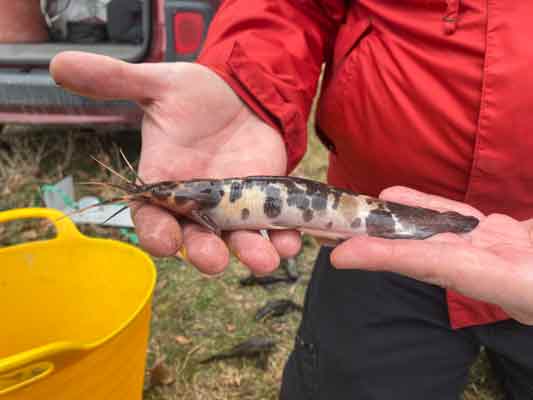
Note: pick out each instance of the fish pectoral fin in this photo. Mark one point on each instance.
(205, 220)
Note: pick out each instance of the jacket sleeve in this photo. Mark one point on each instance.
(271, 53)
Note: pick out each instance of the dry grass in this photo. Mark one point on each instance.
(193, 316)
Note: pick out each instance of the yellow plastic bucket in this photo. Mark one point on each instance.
(75, 314)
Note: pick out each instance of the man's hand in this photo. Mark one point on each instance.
(194, 126)
(493, 263)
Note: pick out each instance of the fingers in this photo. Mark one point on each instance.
(254, 251)
(161, 235)
(449, 263)
(409, 257)
(104, 77)
(286, 243)
(158, 231)
(261, 255)
(413, 197)
(205, 250)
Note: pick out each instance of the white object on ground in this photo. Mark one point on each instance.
(61, 197)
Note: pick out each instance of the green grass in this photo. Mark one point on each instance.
(193, 316)
(214, 314)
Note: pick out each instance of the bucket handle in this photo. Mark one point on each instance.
(65, 228)
(24, 376)
(26, 368)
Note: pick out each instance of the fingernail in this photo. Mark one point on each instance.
(235, 253)
(211, 276)
(182, 255)
(182, 252)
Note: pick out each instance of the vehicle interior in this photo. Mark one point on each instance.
(32, 32)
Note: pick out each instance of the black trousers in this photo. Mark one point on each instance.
(380, 336)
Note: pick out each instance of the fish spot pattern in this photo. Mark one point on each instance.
(211, 192)
(308, 215)
(298, 200)
(337, 194)
(319, 202)
(235, 192)
(356, 223)
(381, 224)
(273, 203)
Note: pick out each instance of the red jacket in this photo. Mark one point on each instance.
(432, 94)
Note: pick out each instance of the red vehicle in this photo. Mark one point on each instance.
(169, 30)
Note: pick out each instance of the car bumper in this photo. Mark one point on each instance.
(35, 98)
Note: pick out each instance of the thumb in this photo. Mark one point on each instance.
(106, 78)
(447, 263)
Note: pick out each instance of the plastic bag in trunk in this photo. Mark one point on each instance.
(77, 21)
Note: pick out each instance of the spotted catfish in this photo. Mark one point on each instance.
(281, 202)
